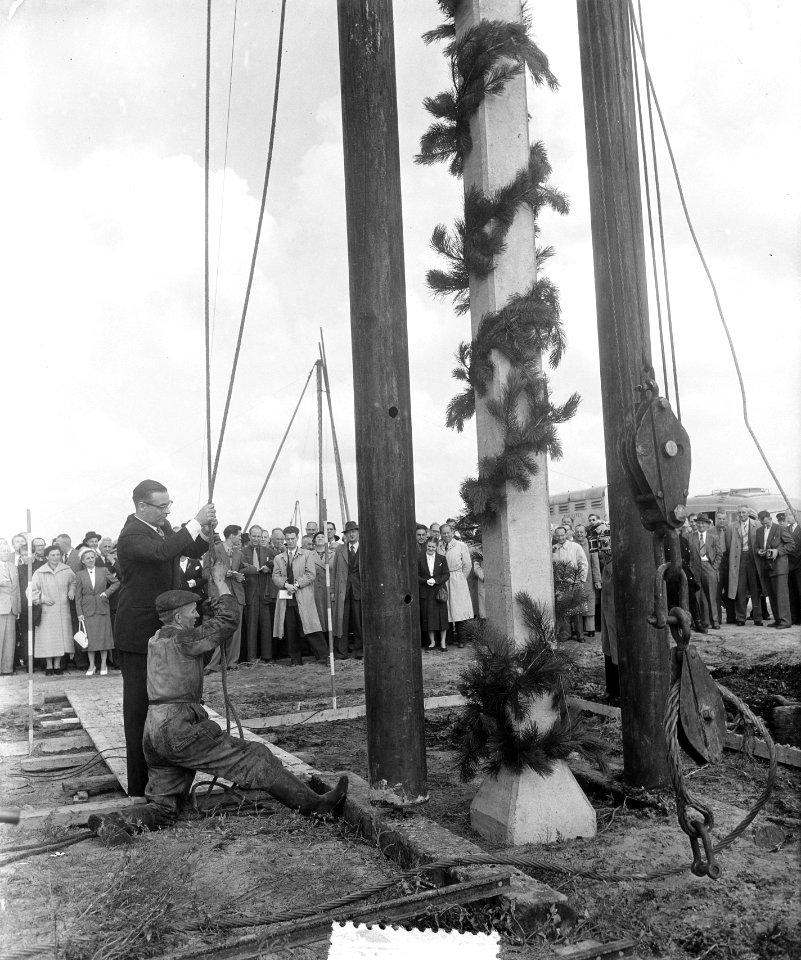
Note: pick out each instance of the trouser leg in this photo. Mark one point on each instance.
(319, 646)
(612, 676)
(253, 626)
(266, 615)
(780, 591)
(293, 633)
(134, 714)
(355, 620)
(709, 581)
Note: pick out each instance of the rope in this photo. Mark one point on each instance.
(705, 265)
(32, 850)
(255, 248)
(206, 250)
(651, 227)
(225, 169)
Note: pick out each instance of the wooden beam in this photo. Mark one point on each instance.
(621, 297)
(393, 674)
(340, 713)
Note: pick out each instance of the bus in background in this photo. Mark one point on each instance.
(579, 504)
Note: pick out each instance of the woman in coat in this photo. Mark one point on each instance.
(299, 605)
(323, 583)
(53, 586)
(432, 576)
(593, 581)
(93, 587)
(460, 564)
(9, 610)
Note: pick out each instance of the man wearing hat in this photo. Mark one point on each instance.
(348, 593)
(709, 559)
(774, 546)
(179, 737)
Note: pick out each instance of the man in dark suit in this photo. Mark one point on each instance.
(709, 556)
(420, 534)
(774, 546)
(148, 552)
(691, 564)
(788, 521)
(229, 552)
(258, 619)
(348, 593)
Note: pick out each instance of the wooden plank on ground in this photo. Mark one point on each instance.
(61, 761)
(65, 723)
(69, 741)
(91, 785)
(341, 713)
(69, 814)
(99, 708)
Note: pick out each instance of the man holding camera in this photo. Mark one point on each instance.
(774, 545)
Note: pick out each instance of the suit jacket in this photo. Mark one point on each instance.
(149, 565)
(734, 548)
(73, 561)
(9, 588)
(192, 577)
(304, 574)
(88, 601)
(795, 560)
(713, 551)
(235, 561)
(255, 581)
(441, 574)
(778, 538)
(346, 574)
(270, 588)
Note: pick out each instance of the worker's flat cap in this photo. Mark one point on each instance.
(174, 599)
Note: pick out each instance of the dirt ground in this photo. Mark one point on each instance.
(92, 897)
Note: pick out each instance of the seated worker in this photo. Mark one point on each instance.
(180, 739)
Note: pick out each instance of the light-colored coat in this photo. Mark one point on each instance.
(9, 588)
(304, 572)
(54, 633)
(734, 546)
(460, 564)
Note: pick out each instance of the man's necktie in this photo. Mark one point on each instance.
(161, 533)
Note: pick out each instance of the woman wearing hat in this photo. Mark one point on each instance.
(53, 586)
(93, 587)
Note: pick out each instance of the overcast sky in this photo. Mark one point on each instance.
(101, 246)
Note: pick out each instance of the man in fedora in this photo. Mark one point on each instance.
(774, 547)
(348, 593)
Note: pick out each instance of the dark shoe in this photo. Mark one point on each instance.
(590, 633)
(702, 629)
(358, 655)
(49, 672)
(741, 623)
(295, 794)
(758, 623)
(58, 671)
(716, 626)
(782, 626)
(265, 660)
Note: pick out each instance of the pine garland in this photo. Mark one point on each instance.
(493, 730)
(483, 61)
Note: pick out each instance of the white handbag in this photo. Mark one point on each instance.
(80, 637)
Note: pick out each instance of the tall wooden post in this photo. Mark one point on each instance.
(625, 358)
(525, 807)
(517, 546)
(385, 479)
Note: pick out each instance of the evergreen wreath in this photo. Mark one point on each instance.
(493, 730)
(483, 60)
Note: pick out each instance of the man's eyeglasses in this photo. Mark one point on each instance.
(159, 506)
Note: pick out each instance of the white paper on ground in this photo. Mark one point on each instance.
(349, 942)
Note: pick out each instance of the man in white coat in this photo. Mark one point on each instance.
(743, 575)
(460, 564)
(294, 574)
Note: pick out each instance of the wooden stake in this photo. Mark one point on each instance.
(29, 538)
(625, 359)
(392, 665)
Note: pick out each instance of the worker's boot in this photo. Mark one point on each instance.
(295, 794)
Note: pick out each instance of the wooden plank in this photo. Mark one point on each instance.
(601, 709)
(69, 741)
(341, 713)
(17, 748)
(593, 950)
(103, 783)
(61, 761)
(65, 723)
(292, 933)
(69, 814)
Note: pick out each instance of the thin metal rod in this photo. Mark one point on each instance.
(343, 496)
(329, 616)
(206, 254)
(278, 452)
(320, 504)
(30, 635)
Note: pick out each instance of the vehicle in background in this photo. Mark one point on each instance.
(578, 504)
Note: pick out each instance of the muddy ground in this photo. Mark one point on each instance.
(92, 898)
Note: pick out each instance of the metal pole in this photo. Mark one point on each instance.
(625, 360)
(278, 452)
(330, 619)
(320, 505)
(393, 674)
(29, 537)
(343, 494)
